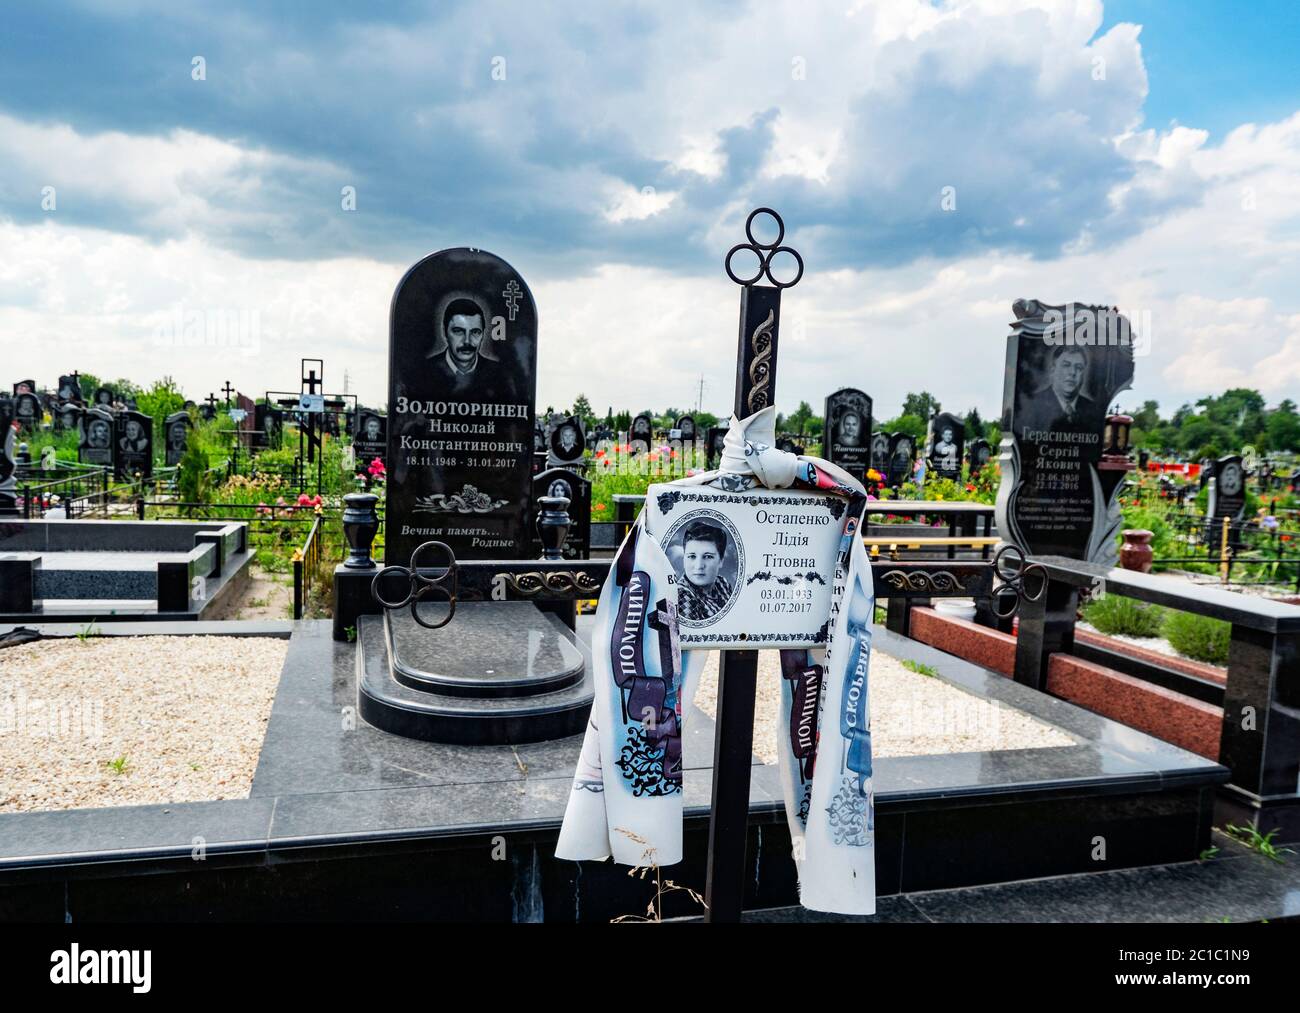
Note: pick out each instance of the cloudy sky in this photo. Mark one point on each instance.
(173, 182)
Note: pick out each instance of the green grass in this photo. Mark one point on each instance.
(1253, 839)
(117, 766)
(1116, 615)
(920, 668)
(1198, 637)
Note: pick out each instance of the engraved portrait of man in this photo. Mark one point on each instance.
(565, 442)
(1230, 479)
(945, 450)
(849, 433)
(1061, 403)
(461, 355)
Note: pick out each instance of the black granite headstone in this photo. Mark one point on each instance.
(566, 444)
(67, 416)
(178, 426)
(686, 429)
(97, 444)
(28, 411)
(846, 431)
(947, 446)
(462, 377)
(370, 439)
(8, 484)
(266, 426)
(902, 451)
(641, 435)
(1227, 499)
(577, 490)
(717, 440)
(69, 389)
(134, 445)
(25, 387)
(1064, 366)
(880, 453)
(104, 397)
(980, 452)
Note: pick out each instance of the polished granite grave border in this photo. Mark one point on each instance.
(1236, 885)
(223, 588)
(347, 821)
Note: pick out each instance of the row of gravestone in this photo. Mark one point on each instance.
(462, 386)
(848, 440)
(120, 439)
(462, 436)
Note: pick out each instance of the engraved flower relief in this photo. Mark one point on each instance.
(468, 501)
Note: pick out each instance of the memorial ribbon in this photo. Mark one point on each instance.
(626, 800)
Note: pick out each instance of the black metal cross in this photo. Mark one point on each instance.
(227, 390)
(733, 741)
(211, 402)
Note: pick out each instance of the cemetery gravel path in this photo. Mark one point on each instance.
(911, 714)
(183, 716)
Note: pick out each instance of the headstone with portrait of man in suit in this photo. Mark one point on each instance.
(947, 446)
(96, 444)
(369, 438)
(1064, 366)
(462, 381)
(846, 433)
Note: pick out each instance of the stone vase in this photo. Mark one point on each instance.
(1136, 553)
(360, 525)
(553, 525)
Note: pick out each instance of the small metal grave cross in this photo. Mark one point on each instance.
(733, 741)
(227, 390)
(211, 402)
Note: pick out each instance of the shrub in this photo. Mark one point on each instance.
(1199, 637)
(1114, 614)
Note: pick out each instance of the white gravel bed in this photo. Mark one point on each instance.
(1158, 644)
(1210, 580)
(911, 714)
(183, 717)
